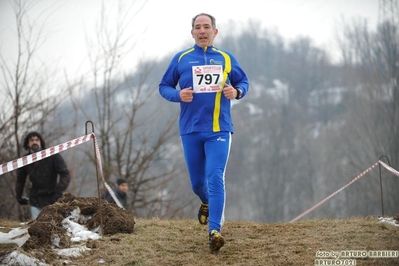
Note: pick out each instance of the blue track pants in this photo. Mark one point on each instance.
(206, 155)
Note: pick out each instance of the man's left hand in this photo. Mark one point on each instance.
(229, 91)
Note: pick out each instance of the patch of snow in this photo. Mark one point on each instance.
(389, 220)
(72, 252)
(55, 239)
(17, 235)
(18, 258)
(76, 231)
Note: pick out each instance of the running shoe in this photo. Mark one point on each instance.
(216, 240)
(203, 214)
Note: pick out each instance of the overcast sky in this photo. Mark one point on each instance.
(161, 27)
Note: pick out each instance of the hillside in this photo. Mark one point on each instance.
(184, 242)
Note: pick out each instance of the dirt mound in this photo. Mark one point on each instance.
(48, 229)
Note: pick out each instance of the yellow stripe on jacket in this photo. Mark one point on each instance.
(216, 110)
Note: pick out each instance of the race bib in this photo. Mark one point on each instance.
(207, 78)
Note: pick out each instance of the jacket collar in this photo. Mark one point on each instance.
(203, 49)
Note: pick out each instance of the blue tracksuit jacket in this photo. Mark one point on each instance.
(208, 112)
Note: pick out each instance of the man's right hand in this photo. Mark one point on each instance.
(186, 95)
(23, 201)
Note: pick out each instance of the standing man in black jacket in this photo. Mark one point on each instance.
(45, 187)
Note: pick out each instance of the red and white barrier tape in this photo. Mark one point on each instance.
(109, 189)
(392, 170)
(40, 155)
(333, 194)
(34, 157)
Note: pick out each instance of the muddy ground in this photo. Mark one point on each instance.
(95, 213)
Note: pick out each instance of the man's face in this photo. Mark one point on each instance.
(124, 187)
(203, 32)
(34, 143)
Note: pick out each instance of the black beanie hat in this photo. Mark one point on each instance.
(121, 181)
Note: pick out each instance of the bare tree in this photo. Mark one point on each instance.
(136, 141)
(372, 59)
(29, 101)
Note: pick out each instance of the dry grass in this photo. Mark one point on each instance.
(184, 242)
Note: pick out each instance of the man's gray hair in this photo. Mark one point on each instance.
(204, 14)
